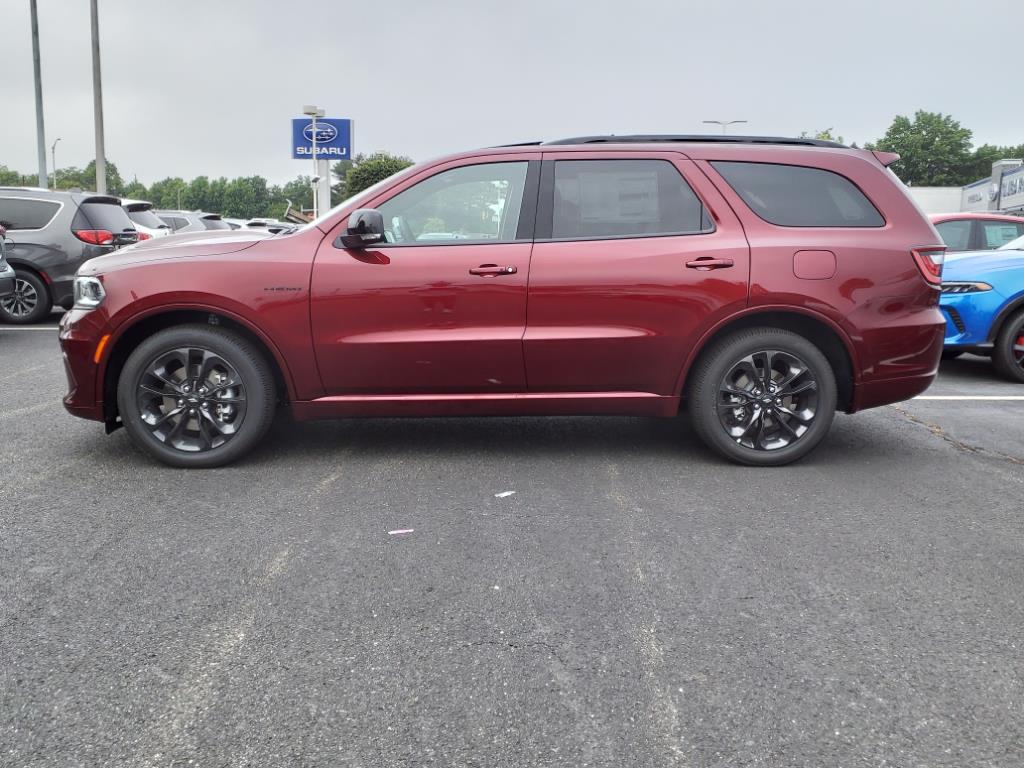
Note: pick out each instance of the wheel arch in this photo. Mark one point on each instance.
(131, 333)
(818, 329)
(1009, 309)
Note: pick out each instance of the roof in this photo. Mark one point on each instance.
(939, 217)
(695, 138)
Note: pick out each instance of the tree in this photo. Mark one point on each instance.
(135, 190)
(934, 149)
(825, 135)
(299, 190)
(340, 172)
(246, 197)
(367, 171)
(85, 178)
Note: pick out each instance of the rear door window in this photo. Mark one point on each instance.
(955, 234)
(623, 198)
(995, 234)
(18, 213)
(175, 222)
(797, 196)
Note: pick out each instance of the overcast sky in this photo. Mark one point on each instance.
(209, 87)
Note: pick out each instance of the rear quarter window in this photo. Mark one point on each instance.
(797, 196)
(27, 214)
(956, 234)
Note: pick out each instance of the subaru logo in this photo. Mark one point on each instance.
(325, 133)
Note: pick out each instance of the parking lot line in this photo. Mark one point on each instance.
(969, 397)
(29, 328)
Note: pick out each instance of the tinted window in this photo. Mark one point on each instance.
(27, 214)
(216, 224)
(795, 196)
(623, 198)
(109, 216)
(955, 234)
(175, 222)
(474, 202)
(146, 218)
(998, 233)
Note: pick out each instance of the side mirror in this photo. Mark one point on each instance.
(365, 227)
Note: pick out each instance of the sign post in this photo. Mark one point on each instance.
(324, 140)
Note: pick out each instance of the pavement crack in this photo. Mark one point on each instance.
(959, 445)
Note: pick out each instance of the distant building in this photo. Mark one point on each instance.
(1003, 191)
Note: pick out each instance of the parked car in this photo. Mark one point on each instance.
(977, 231)
(270, 225)
(765, 283)
(54, 233)
(146, 221)
(192, 221)
(6, 270)
(983, 301)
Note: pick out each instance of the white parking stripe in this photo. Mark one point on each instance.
(29, 328)
(970, 397)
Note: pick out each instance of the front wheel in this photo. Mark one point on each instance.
(196, 396)
(763, 397)
(1008, 351)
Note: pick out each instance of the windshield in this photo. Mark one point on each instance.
(357, 200)
(1014, 245)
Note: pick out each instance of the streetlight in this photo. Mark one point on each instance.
(53, 152)
(724, 123)
(314, 112)
(40, 132)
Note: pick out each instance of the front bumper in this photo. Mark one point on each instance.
(6, 281)
(969, 317)
(80, 332)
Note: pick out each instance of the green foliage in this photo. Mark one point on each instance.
(934, 149)
(368, 170)
(245, 197)
(824, 135)
(85, 178)
(9, 178)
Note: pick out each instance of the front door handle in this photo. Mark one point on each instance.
(706, 262)
(492, 270)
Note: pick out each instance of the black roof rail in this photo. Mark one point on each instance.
(519, 144)
(697, 138)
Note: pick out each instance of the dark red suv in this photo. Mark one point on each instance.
(764, 283)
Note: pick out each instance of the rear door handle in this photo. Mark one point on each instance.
(492, 270)
(706, 262)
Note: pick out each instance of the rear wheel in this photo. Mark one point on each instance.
(30, 301)
(1008, 351)
(763, 397)
(196, 396)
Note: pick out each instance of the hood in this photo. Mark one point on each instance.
(186, 245)
(975, 265)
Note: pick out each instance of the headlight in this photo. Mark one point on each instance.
(89, 292)
(965, 287)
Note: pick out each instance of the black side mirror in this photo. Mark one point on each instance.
(365, 227)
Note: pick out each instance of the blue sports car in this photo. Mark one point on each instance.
(983, 301)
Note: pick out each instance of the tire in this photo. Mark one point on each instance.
(951, 355)
(763, 429)
(31, 301)
(177, 402)
(1006, 358)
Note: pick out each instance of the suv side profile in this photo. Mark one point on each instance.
(763, 283)
(192, 221)
(52, 234)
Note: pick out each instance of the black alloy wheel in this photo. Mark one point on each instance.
(763, 397)
(196, 396)
(1008, 350)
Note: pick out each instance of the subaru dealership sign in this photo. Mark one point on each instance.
(333, 138)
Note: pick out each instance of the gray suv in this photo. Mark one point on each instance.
(51, 234)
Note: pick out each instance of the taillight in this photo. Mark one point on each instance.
(95, 236)
(144, 236)
(929, 261)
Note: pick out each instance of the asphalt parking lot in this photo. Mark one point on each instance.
(634, 602)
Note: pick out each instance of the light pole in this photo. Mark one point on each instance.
(97, 97)
(314, 112)
(53, 152)
(724, 123)
(40, 132)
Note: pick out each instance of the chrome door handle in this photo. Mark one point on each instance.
(492, 270)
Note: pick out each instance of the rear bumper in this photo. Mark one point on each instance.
(887, 391)
(917, 357)
(78, 338)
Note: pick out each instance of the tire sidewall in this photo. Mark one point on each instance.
(43, 303)
(256, 380)
(719, 361)
(1003, 355)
